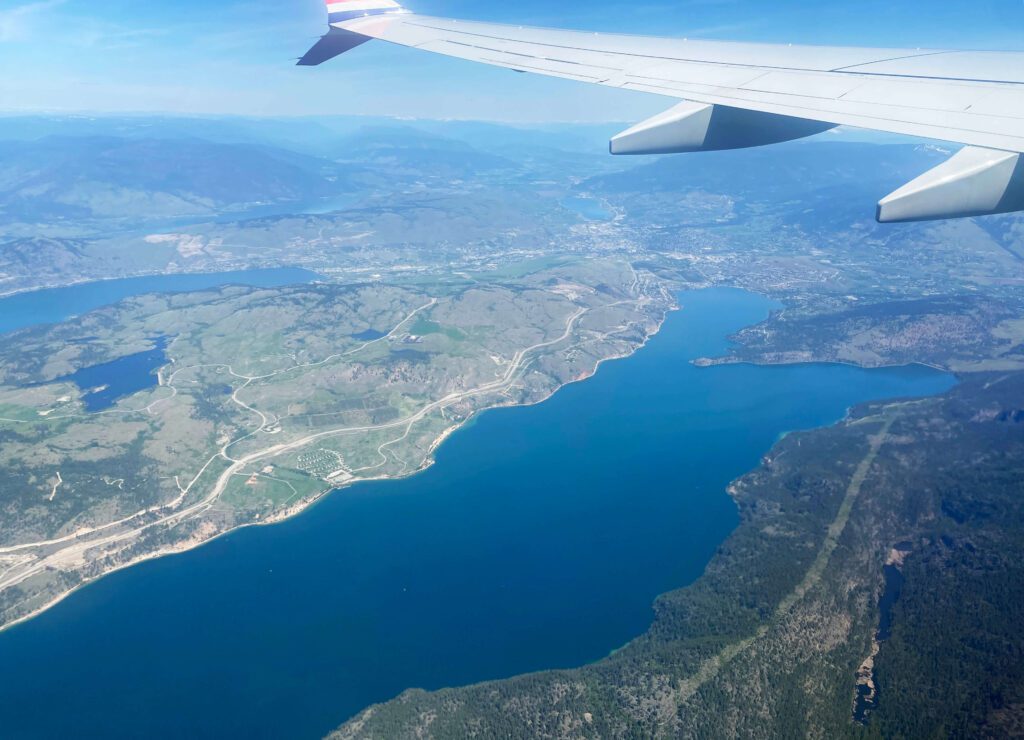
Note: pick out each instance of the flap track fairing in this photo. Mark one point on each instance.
(698, 127)
(973, 182)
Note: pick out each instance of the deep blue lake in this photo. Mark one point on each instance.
(104, 384)
(538, 540)
(57, 304)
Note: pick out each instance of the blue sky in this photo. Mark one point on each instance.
(203, 56)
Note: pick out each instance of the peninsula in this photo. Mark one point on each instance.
(266, 399)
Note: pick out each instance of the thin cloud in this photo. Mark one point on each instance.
(18, 23)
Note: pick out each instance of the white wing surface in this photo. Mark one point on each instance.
(741, 94)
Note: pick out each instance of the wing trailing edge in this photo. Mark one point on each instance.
(333, 43)
(739, 95)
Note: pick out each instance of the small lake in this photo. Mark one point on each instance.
(539, 539)
(866, 701)
(102, 385)
(369, 335)
(591, 209)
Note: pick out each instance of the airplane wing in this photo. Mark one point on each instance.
(740, 94)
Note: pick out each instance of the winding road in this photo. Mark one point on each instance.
(66, 552)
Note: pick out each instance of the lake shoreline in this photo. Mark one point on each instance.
(151, 274)
(557, 483)
(305, 505)
(728, 360)
(309, 502)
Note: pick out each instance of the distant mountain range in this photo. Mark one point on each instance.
(88, 177)
(71, 172)
(77, 194)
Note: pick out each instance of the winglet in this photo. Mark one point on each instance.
(339, 11)
(338, 40)
(331, 44)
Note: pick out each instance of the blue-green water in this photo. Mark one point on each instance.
(539, 539)
(57, 304)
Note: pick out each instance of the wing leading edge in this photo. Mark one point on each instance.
(739, 95)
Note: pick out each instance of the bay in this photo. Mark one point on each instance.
(539, 539)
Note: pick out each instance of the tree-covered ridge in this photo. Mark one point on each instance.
(768, 642)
